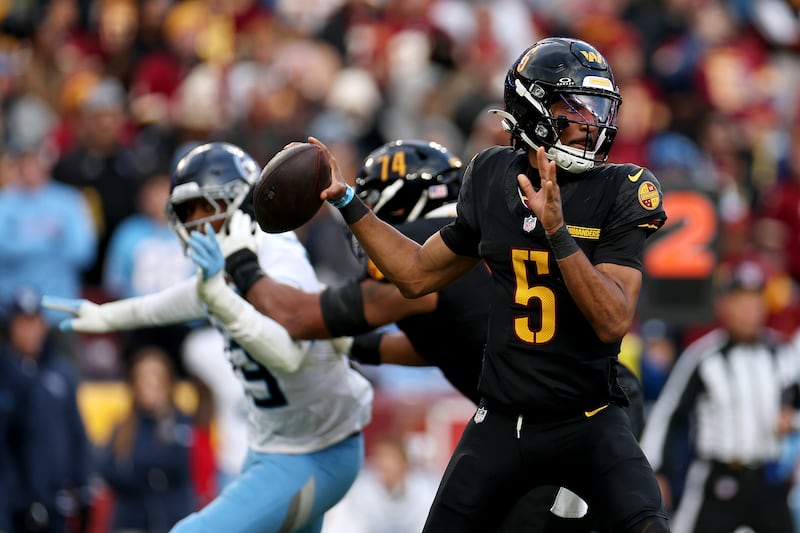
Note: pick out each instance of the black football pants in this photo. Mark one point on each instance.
(502, 457)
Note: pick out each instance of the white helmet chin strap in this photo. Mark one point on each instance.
(570, 159)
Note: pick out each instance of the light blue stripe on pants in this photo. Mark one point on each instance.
(279, 493)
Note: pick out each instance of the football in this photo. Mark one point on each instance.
(286, 195)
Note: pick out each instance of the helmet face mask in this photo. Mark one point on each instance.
(404, 180)
(559, 84)
(221, 176)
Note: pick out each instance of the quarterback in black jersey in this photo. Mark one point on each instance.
(563, 234)
(448, 331)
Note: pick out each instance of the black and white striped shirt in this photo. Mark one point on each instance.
(731, 393)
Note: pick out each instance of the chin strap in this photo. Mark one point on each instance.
(558, 153)
(568, 161)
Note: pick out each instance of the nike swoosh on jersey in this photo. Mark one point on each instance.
(590, 414)
(635, 177)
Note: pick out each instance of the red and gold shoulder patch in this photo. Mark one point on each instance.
(648, 195)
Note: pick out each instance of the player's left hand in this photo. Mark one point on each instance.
(546, 202)
(205, 252)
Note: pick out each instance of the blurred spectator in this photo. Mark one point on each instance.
(145, 256)
(781, 205)
(14, 387)
(47, 238)
(679, 162)
(116, 29)
(106, 171)
(53, 52)
(52, 491)
(770, 245)
(147, 460)
(739, 386)
(776, 20)
(204, 357)
(159, 72)
(390, 495)
(658, 354)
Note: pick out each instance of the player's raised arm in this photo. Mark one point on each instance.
(415, 269)
(607, 293)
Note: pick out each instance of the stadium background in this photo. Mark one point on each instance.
(710, 105)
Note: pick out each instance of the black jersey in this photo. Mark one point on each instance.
(542, 355)
(453, 336)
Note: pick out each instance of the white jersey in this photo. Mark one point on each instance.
(320, 404)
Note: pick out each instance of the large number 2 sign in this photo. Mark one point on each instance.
(687, 249)
(529, 294)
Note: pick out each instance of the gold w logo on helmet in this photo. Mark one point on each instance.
(593, 57)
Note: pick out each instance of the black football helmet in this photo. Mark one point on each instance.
(574, 74)
(222, 174)
(407, 179)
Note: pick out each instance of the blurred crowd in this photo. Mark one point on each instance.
(98, 99)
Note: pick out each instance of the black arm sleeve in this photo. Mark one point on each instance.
(367, 348)
(343, 309)
(243, 268)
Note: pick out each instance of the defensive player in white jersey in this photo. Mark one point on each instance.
(307, 405)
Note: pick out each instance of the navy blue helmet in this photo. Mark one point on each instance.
(222, 174)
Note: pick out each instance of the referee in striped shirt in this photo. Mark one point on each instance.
(737, 387)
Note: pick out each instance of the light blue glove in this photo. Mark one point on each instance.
(204, 250)
(69, 305)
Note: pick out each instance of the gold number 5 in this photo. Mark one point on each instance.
(527, 294)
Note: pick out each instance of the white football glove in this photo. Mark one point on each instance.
(89, 317)
(342, 345)
(240, 233)
(175, 305)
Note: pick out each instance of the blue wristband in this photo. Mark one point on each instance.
(349, 194)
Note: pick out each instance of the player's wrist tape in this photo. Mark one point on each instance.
(367, 348)
(562, 243)
(243, 268)
(350, 206)
(349, 194)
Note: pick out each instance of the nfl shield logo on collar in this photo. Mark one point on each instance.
(480, 415)
(529, 223)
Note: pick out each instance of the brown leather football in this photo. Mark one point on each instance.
(287, 194)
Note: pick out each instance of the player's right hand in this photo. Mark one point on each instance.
(88, 317)
(338, 186)
(240, 234)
